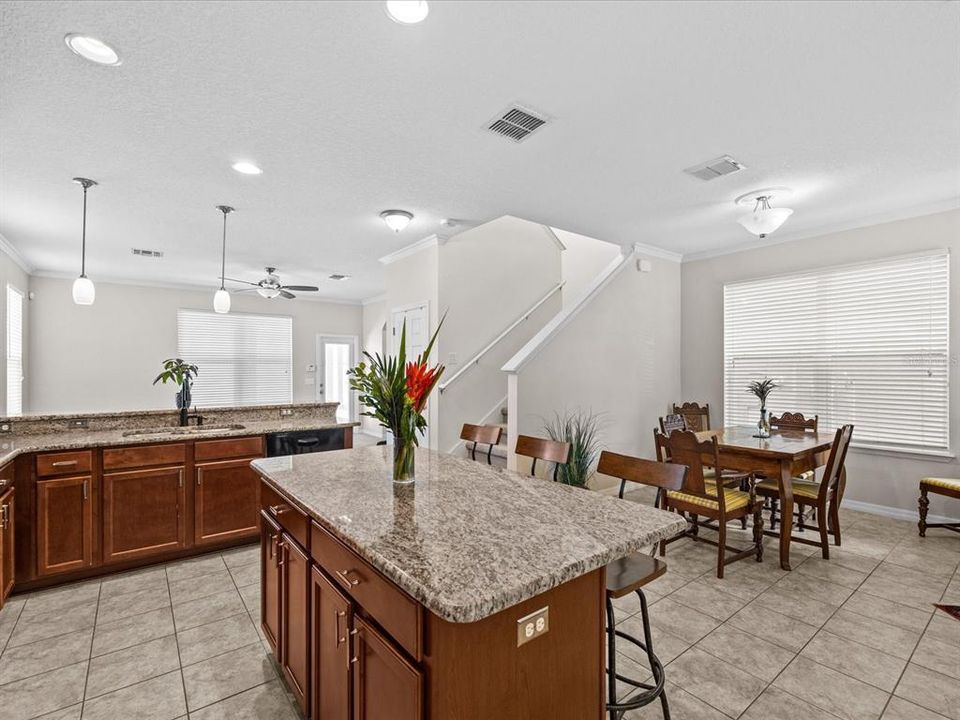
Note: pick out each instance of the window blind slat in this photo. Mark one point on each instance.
(867, 344)
(244, 359)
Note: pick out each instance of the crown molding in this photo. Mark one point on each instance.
(11, 252)
(657, 252)
(430, 241)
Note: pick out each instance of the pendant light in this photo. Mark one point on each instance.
(221, 298)
(83, 290)
(764, 219)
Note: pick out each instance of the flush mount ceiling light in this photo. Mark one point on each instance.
(407, 12)
(221, 298)
(84, 292)
(396, 220)
(247, 168)
(92, 49)
(764, 219)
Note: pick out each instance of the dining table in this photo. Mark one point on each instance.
(782, 456)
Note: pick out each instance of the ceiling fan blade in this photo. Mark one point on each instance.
(252, 289)
(245, 282)
(288, 296)
(301, 288)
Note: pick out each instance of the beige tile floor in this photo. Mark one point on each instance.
(853, 638)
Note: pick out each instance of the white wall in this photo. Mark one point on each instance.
(371, 341)
(489, 277)
(11, 273)
(881, 479)
(104, 357)
(619, 357)
(581, 262)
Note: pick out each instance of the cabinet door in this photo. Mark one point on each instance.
(142, 513)
(295, 619)
(270, 590)
(331, 621)
(225, 504)
(64, 524)
(6, 544)
(385, 685)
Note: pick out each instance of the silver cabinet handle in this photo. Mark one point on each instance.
(85, 493)
(344, 575)
(64, 463)
(5, 516)
(180, 477)
(340, 640)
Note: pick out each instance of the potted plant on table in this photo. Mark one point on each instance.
(395, 392)
(581, 429)
(762, 389)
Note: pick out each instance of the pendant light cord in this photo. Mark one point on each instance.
(223, 256)
(83, 236)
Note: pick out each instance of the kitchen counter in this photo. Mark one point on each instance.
(466, 540)
(13, 444)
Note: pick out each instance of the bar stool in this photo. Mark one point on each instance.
(540, 449)
(625, 576)
(485, 434)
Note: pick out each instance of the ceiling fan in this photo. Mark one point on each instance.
(270, 287)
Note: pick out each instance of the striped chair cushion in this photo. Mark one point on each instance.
(801, 488)
(733, 499)
(945, 483)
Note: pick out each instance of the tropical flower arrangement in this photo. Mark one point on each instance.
(395, 392)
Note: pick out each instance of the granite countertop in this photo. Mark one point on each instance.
(466, 539)
(12, 445)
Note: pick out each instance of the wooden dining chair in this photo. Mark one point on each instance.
(696, 417)
(824, 495)
(719, 499)
(540, 449)
(797, 422)
(481, 434)
(674, 421)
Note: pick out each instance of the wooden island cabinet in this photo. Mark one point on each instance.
(7, 514)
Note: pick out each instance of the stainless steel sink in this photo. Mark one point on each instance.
(191, 430)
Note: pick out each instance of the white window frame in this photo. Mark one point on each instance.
(826, 338)
(13, 364)
(279, 387)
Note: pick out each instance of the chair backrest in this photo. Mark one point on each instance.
(696, 417)
(794, 421)
(486, 434)
(838, 456)
(674, 421)
(542, 449)
(685, 448)
(667, 476)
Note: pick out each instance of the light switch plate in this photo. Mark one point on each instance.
(533, 626)
(286, 412)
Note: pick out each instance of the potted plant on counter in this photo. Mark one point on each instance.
(581, 429)
(181, 374)
(395, 392)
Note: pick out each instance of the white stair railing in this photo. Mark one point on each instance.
(476, 358)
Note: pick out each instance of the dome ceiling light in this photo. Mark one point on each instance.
(407, 12)
(92, 49)
(764, 219)
(396, 220)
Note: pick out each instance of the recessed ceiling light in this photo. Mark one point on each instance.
(89, 48)
(247, 168)
(407, 12)
(396, 220)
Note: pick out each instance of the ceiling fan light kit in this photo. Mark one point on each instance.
(271, 287)
(764, 219)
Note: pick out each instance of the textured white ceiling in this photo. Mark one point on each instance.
(854, 105)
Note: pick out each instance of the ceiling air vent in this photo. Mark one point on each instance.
(339, 276)
(723, 165)
(147, 253)
(516, 123)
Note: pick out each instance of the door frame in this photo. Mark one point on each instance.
(355, 341)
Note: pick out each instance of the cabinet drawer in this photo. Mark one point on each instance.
(284, 514)
(144, 456)
(226, 449)
(394, 610)
(65, 463)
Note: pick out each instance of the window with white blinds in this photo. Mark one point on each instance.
(243, 359)
(865, 344)
(14, 351)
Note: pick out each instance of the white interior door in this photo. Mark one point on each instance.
(417, 318)
(335, 355)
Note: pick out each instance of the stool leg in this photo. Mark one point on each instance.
(651, 658)
(611, 658)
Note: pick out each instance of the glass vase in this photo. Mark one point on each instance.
(403, 460)
(763, 427)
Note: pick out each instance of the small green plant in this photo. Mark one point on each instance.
(581, 429)
(181, 374)
(762, 389)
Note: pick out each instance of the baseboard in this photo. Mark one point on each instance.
(894, 512)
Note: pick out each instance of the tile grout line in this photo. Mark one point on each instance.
(86, 678)
(173, 619)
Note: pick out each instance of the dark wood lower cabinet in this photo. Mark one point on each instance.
(6, 544)
(385, 684)
(64, 524)
(295, 619)
(270, 554)
(143, 513)
(332, 619)
(225, 501)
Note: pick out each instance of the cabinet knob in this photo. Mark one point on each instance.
(345, 576)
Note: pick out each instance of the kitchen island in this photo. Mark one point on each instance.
(473, 593)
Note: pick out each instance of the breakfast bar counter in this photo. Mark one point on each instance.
(480, 592)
